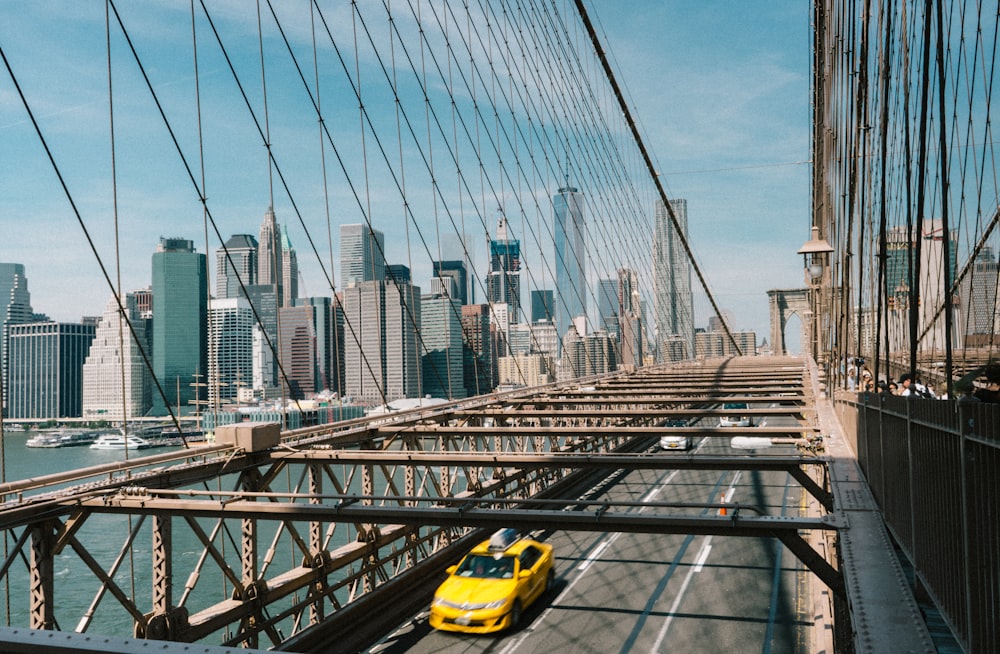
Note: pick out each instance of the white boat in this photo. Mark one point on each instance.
(119, 442)
(62, 439)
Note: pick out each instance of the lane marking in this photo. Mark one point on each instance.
(703, 555)
(673, 609)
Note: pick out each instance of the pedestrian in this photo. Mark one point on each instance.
(990, 390)
(910, 387)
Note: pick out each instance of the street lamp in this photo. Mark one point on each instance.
(814, 254)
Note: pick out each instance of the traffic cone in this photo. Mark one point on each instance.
(722, 510)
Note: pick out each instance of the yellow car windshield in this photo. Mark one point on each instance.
(482, 566)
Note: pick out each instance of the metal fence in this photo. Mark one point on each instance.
(934, 469)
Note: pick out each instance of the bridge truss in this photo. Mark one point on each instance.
(284, 547)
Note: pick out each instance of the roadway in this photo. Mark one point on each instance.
(618, 592)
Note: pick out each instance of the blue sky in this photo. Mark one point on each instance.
(720, 90)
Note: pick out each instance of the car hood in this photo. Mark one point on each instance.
(461, 590)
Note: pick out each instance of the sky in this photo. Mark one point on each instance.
(720, 90)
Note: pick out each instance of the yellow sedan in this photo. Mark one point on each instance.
(493, 584)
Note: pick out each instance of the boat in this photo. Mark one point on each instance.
(63, 439)
(119, 442)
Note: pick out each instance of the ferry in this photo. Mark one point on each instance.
(120, 442)
(62, 439)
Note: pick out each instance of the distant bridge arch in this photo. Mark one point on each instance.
(784, 304)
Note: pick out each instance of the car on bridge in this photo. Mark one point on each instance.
(673, 441)
(736, 419)
(493, 584)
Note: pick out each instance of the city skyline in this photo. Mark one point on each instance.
(235, 206)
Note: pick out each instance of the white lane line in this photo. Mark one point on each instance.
(594, 556)
(673, 608)
(703, 555)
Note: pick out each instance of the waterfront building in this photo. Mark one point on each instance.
(503, 281)
(116, 379)
(230, 350)
(362, 254)
(457, 271)
(570, 233)
(180, 317)
(441, 341)
(235, 262)
(45, 369)
(15, 308)
(673, 302)
(381, 360)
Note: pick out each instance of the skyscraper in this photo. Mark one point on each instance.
(45, 362)
(570, 257)
(441, 342)
(239, 266)
(180, 314)
(289, 272)
(230, 349)
(629, 318)
(115, 376)
(362, 254)
(503, 281)
(380, 345)
(458, 272)
(479, 350)
(15, 308)
(297, 334)
(542, 306)
(269, 259)
(673, 302)
(607, 306)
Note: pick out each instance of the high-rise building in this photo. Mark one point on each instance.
(978, 296)
(230, 350)
(673, 302)
(900, 252)
(710, 344)
(441, 343)
(297, 335)
(289, 272)
(381, 358)
(570, 256)
(362, 254)
(398, 272)
(478, 350)
(115, 376)
(180, 316)
(265, 343)
(15, 308)
(607, 306)
(45, 369)
(328, 339)
(269, 257)
(629, 318)
(503, 281)
(525, 370)
(457, 271)
(544, 339)
(543, 306)
(235, 262)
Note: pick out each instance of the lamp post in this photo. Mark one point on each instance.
(814, 260)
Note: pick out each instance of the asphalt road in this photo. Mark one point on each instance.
(659, 593)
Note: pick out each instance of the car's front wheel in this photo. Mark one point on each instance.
(550, 581)
(515, 615)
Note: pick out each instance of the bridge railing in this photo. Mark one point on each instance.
(933, 467)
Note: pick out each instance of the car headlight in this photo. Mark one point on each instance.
(496, 604)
